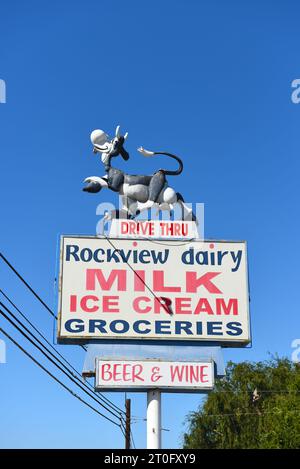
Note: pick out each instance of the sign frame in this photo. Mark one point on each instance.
(234, 343)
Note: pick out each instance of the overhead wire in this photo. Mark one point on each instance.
(27, 285)
(8, 263)
(54, 361)
(56, 379)
(132, 440)
(53, 315)
(86, 384)
(259, 414)
(166, 308)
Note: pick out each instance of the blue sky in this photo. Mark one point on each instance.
(210, 80)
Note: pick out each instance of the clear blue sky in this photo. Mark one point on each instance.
(210, 80)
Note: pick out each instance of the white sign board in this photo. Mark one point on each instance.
(148, 289)
(165, 375)
(163, 229)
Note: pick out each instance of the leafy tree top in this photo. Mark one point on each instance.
(257, 405)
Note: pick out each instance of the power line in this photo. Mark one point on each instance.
(27, 285)
(112, 405)
(166, 307)
(132, 440)
(35, 328)
(49, 310)
(138, 419)
(99, 395)
(56, 379)
(37, 296)
(271, 391)
(237, 414)
(122, 427)
(123, 430)
(69, 373)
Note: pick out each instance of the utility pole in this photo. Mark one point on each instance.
(127, 427)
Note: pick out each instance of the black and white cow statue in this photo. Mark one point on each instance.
(138, 192)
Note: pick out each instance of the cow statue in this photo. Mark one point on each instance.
(138, 192)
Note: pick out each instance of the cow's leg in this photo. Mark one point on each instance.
(94, 184)
(156, 185)
(187, 212)
(130, 206)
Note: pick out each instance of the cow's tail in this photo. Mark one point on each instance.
(166, 171)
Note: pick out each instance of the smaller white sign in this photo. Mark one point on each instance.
(163, 229)
(153, 374)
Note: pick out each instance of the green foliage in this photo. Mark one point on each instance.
(231, 417)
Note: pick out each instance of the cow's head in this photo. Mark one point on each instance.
(109, 147)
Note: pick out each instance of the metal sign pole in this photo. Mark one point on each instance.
(154, 419)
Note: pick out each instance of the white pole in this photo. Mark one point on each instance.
(153, 419)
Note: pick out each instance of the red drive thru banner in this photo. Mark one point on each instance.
(168, 376)
(113, 288)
